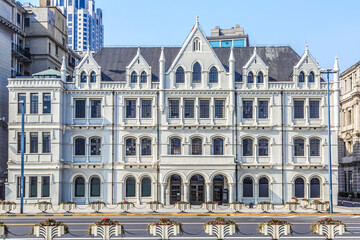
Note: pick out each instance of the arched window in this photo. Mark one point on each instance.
(213, 75)
(250, 77)
(95, 187)
(93, 77)
(248, 187)
(134, 77)
(79, 187)
(196, 44)
(248, 147)
(143, 77)
(260, 78)
(299, 188)
(196, 75)
(146, 147)
(311, 77)
(218, 146)
(83, 77)
(263, 147)
(130, 147)
(95, 146)
(130, 187)
(301, 77)
(299, 144)
(196, 146)
(146, 187)
(180, 75)
(175, 146)
(314, 147)
(264, 187)
(315, 188)
(80, 146)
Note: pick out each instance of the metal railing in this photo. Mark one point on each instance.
(20, 50)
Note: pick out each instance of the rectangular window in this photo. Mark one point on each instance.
(173, 108)
(95, 108)
(239, 43)
(18, 188)
(189, 108)
(345, 181)
(56, 50)
(18, 18)
(34, 103)
(219, 108)
(46, 103)
(146, 107)
(21, 98)
(298, 109)
(215, 43)
(350, 179)
(19, 142)
(49, 48)
(314, 108)
(263, 109)
(226, 43)
(46, 143)
(204, 108)
(70, 16)
(80, 108)
(34, 141)
(247, 109)
(33, 187)
(130, 108)
(27, 22)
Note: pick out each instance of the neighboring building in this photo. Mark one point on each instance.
(14, 58)
(84, 21)
(194, 123)
(349, 147)
(233, 37)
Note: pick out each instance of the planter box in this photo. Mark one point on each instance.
(237, 206)
(155, 206)
(210, 207)
(97, 207)
(220, 231)
(2, 232)
(330, 231)
(106, 232)
(319, 207)
(126, 206)
(304, 204)
(43, 207)
(292, 206)
(265, 207)
(275, 231)
(8, 207)
(182, 207)
(164, 231)
(48, 232)
(67, 207)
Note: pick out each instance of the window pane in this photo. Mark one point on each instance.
(45, 191)
(130, 147)
(298, 109)
(299, 188)
(260, 78)
(311, 77)
(315, 188)
(247, 187)
(95, 146)
(19, 187)
(95, 187)
(250, 78)
(263, 147)
(196, 145)
(180, 76)
(134, 77)
(79, 187)
(33, 187)
(146, 147)
(130, 108)
(314, 147)
(95, 108)
(146, 187)
(46, 103)
(314, 109)
(189, 108)
(93, 77)
(174, 108)
(19, 142)
(218, 146)
(219, 108)
(34, 103)
(143, 77)
(34, 140)
(146, 108)
(21, 98)
(247, 147)
(263, 109)
(80, 108)
(46, 142)
(301, 77)
(213, 75)
(175, 146)
(247, 109)
(204, 108)
(130, 187)
(196, 76)
(299, 147)
(264, 187)
(83, 78)
(80, 146)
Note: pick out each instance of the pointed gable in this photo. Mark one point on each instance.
(255, 64)
(306, 64)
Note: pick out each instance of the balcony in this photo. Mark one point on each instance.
(20, 52)
(15, 73)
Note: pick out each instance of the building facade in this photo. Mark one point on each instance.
(349, 147)
(193, 123)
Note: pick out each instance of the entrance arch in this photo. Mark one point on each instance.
(218, 189)
(175, 189)
(197, 195)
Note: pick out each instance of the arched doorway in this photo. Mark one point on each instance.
(175, 189)
(197, 190)
(218, 189)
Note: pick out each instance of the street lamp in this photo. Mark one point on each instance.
(327, 72)
(22, 179)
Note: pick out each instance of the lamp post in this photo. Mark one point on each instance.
(327, 72)
(22, 179)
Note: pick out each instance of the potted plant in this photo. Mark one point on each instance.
(43, 206)
(210, 206)
(328, 228)
(97, 206)
(275, 228)
(125, 206)
(292, 206)
(155, 205)
(265, 206)
(182, 206)
(49, 229)
(318, 205)
(7, 206)
(165, 228)
(220, 227)
(4, 231)
(68, 206)
(237, 206)
(106, 228)
(304, 203)
(294, 199)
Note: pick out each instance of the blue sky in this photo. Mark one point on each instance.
(329, 27)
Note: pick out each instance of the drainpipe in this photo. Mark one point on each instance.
(282, 146)
(113, 147)
(158, 149)
(236, 149)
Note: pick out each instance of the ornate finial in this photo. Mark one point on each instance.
(336, 65)
(138, 48)
(232, 58)
(162, 55)
(255, 47)
(197, 19)
(306, 48)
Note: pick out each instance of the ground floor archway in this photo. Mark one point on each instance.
(197, 192)
(175, 189)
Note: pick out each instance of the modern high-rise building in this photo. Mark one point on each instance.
(84, 22)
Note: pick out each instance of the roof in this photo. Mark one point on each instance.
(48, 72)
(114, 60)
(350, 69)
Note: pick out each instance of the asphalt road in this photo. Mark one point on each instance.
(193, 227)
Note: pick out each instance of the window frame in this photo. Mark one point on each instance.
(180, 75)
(146, 109)
(263, 148)
(219, 108)
(263, 111)
(260, 78)
(197, 149)
(34, 142)
(34, 103)
(46, 103)
(95, 110)
(144, 184)
(299, 111)
(76, 190)
(93, 77)
(130, 107)
(314, 110)
(175, 148)
(189, 109)
(143, 77)
(213, 75)
(204, 108)
(78, 152)
(133, 77)
(249, 191)
(248, 109)
(21, 97)
(146, 147)
(83, 77)
(130, 182)
(196, 73)
(92, 187)
(299, 151)
(312, 151)
(46, 144)
(96, 146)
(250, 78)
(81, 108)
(248, 147)
(174, 108)
(301, 77)
(218, 147)
(267, 183)
(130, 146)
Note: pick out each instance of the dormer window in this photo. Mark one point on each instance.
(301, 77)
(250, 77)
(93, 77)
(83, 77)
(260, 78)
(196, 75)
(311, 77)
(214, 75)
(143, 77)
(196, 45)
(134, 77)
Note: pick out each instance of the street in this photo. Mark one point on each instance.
(193, 226)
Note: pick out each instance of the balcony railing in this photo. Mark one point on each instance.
(15, 73)
(21, 52)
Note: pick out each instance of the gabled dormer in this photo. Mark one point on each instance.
(138, 72)
(88, 72)
(307, 71)
(255, 70)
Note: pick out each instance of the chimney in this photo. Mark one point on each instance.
(45, 3)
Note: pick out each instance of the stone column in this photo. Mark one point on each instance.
(208, 191)
(186, 191)
(231, 192)
(163, 189)
(137, 192)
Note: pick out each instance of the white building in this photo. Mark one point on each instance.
(194, 123)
